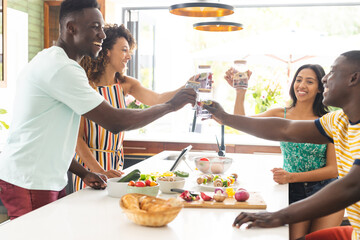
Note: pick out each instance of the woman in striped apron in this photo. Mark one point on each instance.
(98, 149)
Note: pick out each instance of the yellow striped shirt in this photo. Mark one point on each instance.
(346, 138)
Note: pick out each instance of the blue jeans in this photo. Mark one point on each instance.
(301, 190)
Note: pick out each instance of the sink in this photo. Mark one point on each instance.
(173, 157)
(181, 155)
(190, 156)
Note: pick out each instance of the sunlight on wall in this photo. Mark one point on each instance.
(17, 58)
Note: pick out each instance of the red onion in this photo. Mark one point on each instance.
(242, 195)
(219, 189)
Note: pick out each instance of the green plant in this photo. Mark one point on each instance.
(265, 94)
(2, 123)
(132, 103)
(135, 104)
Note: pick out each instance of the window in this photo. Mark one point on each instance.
(275, 41)
(3, 43)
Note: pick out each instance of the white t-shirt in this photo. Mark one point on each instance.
(52, 93)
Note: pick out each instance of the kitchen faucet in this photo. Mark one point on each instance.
(221, 147)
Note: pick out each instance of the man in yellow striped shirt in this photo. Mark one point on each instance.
(341, 89)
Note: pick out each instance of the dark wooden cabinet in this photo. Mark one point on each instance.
(51, 20)
(151, 148)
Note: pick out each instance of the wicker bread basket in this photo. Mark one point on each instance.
(151, 219)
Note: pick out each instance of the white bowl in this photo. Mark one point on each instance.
(115, 188)
(151, 191)
(166, 186)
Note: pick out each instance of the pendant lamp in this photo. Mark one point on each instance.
(218, 26)
(201, 9)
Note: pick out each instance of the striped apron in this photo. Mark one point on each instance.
(106, 146)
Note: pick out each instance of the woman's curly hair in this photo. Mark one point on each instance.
(94, 68)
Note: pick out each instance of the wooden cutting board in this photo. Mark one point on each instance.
(255, 201)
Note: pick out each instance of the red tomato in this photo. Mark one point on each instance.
(131, 183)
(148, 182)
(140, 184)
(204, 159)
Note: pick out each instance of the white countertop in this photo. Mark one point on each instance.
(92, 214)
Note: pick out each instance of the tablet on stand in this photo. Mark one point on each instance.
(178, 160)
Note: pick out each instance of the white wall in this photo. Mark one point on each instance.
(17, 58)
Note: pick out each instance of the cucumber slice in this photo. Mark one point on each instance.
(181, 173)
(132, 176)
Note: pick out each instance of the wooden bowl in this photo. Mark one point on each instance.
(151, 219)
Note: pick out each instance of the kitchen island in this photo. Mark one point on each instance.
(92, 214)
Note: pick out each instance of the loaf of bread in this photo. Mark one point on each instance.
(130, 202)
(147, 203)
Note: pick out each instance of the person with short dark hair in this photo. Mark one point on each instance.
(52, 94)
(341, 127)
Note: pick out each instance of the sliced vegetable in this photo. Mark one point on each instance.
(147, 182)
(189, 197)
(131, 183)
(205, 197)
(200, 180)
(168, 173)
(153, 184)
(230, 192)
(181, 173)
(219, 189)
(232, 179)
(140, 184)
(132, 176)
(234, 175)
(225, 183)
(219, 196)
(218, 183)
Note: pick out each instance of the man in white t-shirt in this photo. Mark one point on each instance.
(52, 94)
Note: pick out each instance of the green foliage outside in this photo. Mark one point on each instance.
(265, 93)
(2, 123)
(137, 105)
